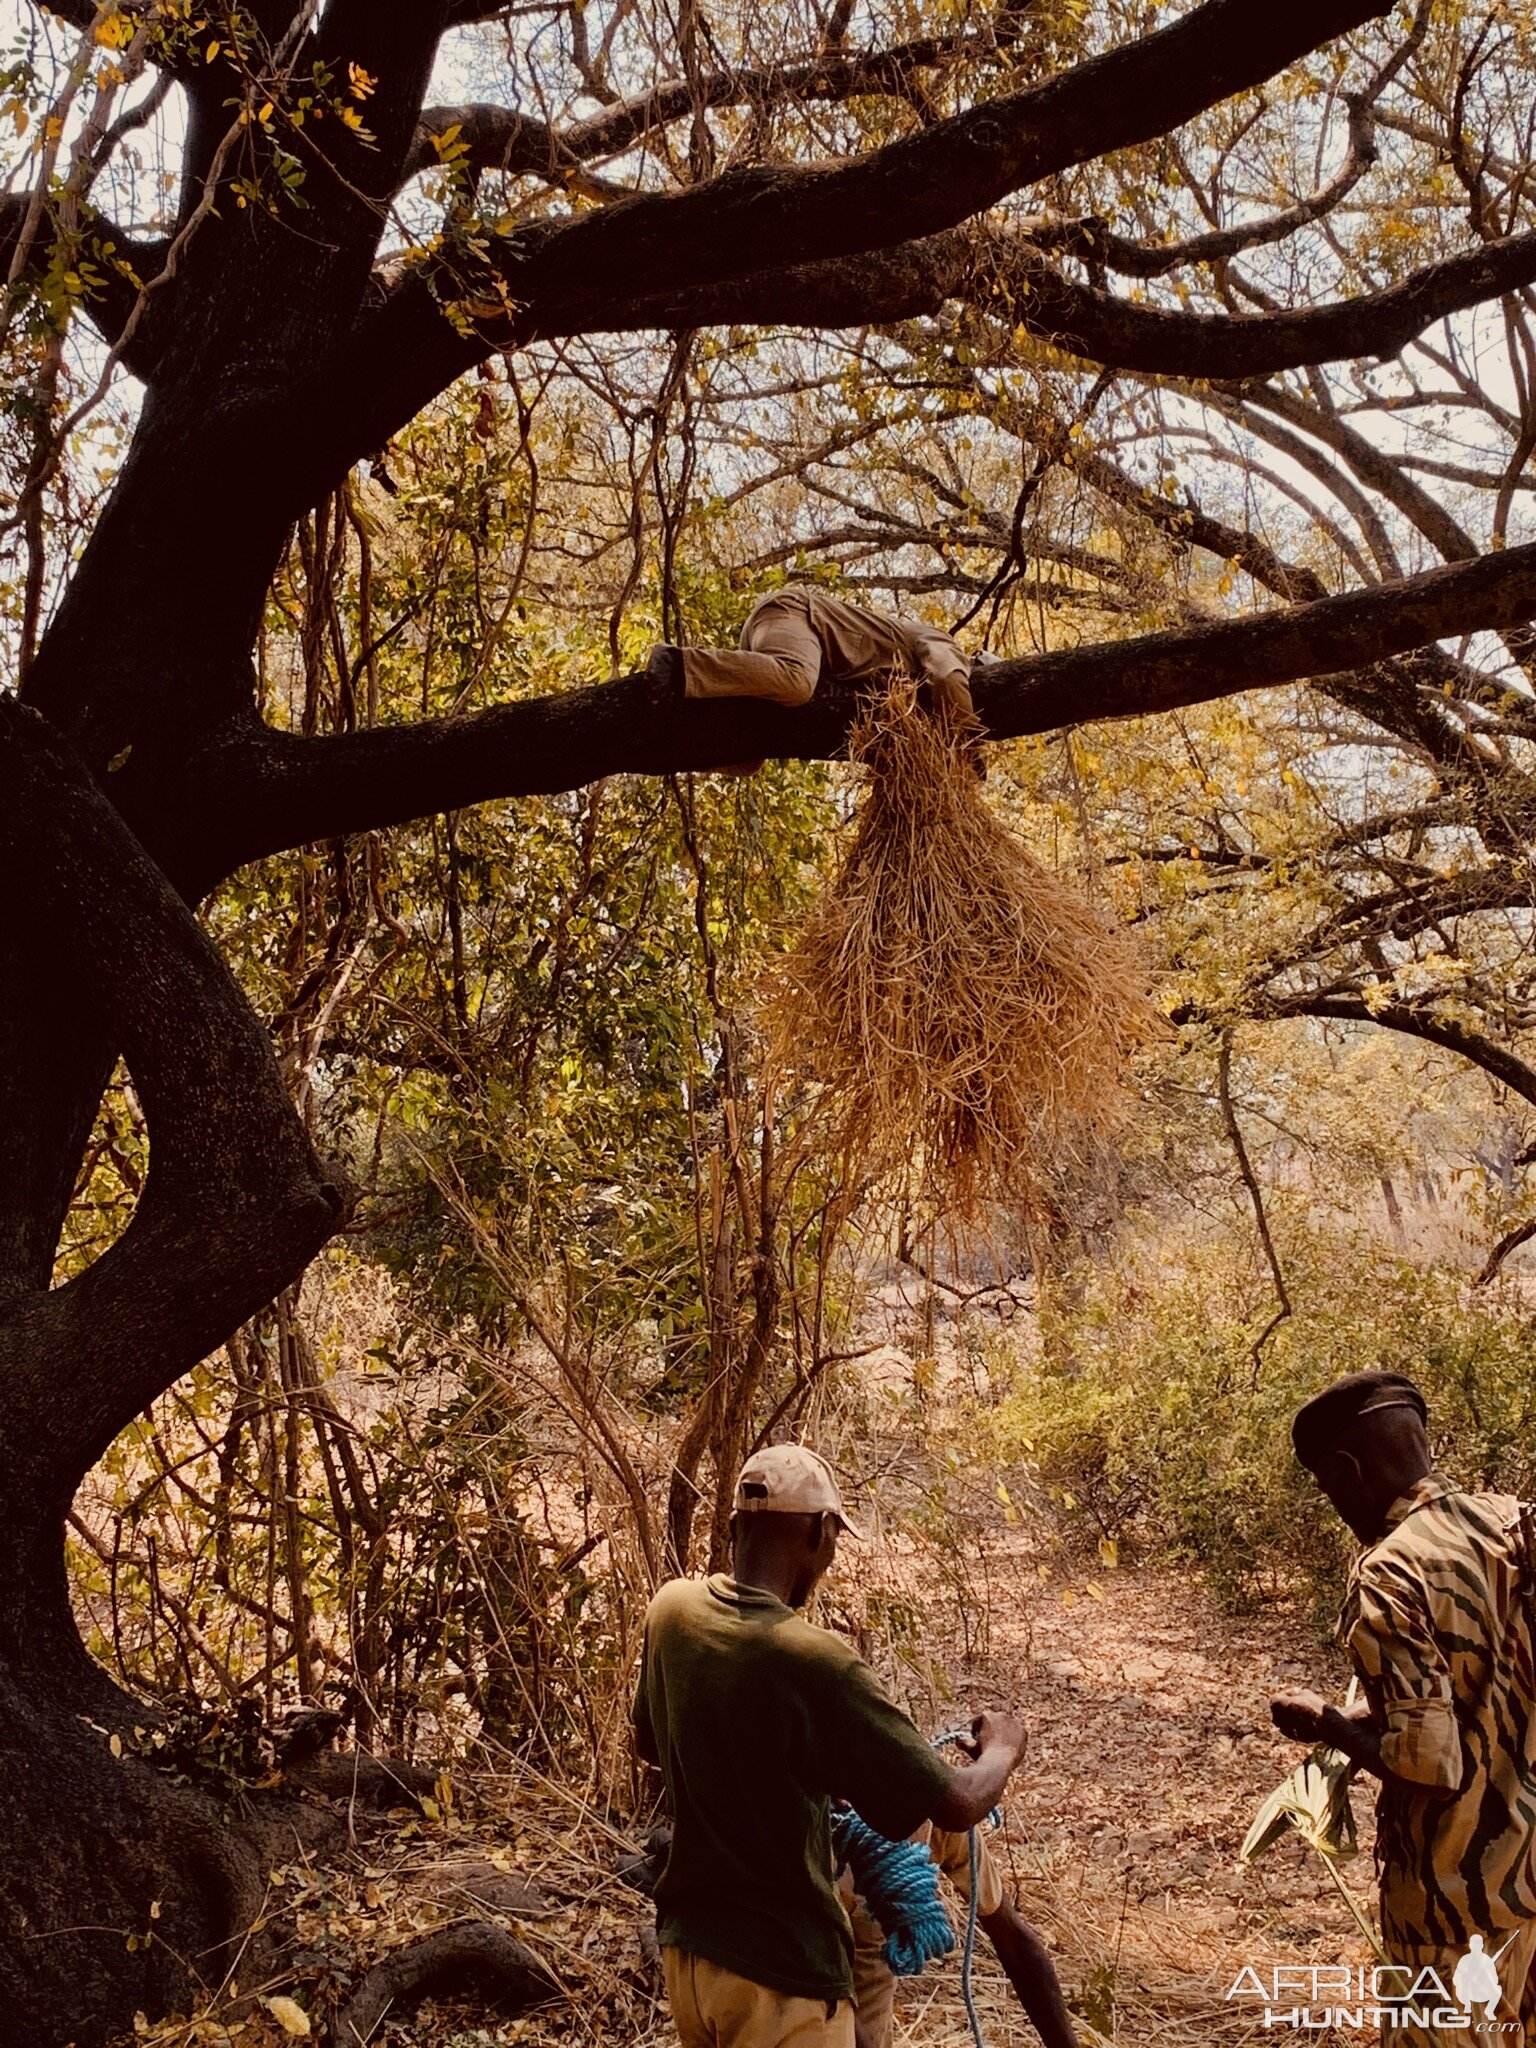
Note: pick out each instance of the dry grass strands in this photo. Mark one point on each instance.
(965, 1013)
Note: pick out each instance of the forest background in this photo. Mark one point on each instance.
(598, 1251)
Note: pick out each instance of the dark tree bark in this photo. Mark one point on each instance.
(275, 353)
(450, 1960)
(235, 1201)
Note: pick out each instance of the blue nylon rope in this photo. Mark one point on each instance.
(900, 1885)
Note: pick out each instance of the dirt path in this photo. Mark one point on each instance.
(1151, 1750)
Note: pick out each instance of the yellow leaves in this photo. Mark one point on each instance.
(115, 1744)
(1109, 1553)
(290, 2016)
(115, 31)
(362, 82)
(450, 146)
(1011, 1514)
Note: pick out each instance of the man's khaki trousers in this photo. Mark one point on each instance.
(714, 2008)
(780, 660)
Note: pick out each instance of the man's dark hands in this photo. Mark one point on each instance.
(1301, 1715)
(1002, 1732)
(996, 1745)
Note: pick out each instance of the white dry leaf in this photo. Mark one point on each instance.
(1314, 1800)
(290, 2016)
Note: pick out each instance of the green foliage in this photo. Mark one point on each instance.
(1147, 1416)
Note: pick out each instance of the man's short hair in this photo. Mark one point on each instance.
(1330, 1415)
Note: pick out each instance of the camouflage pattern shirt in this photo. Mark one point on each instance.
(1437, 1628)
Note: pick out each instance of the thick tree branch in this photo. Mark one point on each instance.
(122, 264)
(1004, 277)
(446, 1960)
(396, 46)
(560, 277)
(1433, 1028)
(79, 14)
(1158, 342)
(260, 792)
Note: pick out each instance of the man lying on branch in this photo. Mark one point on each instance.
(795, 636)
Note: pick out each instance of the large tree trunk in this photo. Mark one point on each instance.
(120, 1889)
(271, 362)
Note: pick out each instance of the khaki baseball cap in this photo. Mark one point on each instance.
(789, 1479)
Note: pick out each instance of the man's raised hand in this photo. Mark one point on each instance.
(1000, 1731)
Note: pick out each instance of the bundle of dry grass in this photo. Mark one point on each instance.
(963, 1010)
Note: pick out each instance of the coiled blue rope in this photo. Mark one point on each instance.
(899, 1884)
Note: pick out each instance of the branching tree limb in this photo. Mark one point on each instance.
(235, 1195)
(258, 791)
(1433, 1027)
(450, 1959)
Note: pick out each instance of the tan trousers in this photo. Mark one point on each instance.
(779, 659)
(714, 2008)
(874, 1987)
(788, 638)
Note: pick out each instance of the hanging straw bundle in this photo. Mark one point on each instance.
(964, 1011)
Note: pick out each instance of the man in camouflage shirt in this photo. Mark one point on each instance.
(1439, 1625)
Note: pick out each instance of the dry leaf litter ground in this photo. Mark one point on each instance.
(1150, 1750)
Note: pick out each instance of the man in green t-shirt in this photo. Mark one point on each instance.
(757, 1721)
